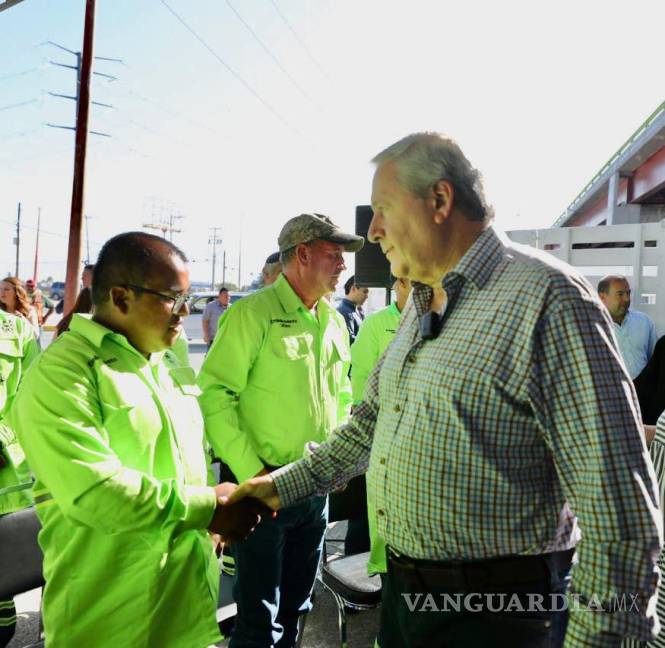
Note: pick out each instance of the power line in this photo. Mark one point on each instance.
(18, 105)
(237, 76)
(42, 230)
(268, 51)
(300, 40)
(160, 106)
(13, 75)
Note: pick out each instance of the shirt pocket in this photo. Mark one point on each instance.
(292, 347)
(10, 354)
(131, 418)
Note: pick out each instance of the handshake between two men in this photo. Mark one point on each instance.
(240, 508)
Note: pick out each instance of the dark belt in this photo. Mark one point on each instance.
(474, 574)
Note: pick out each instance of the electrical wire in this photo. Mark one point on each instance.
(13, 75)
(235, 75)
(300, 41)
(18, 105)
(268, 51)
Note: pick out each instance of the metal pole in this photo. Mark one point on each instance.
(239, 258)
(18, 237)
(214, 258)
(224, 268)
(39, 222)
(73, 277)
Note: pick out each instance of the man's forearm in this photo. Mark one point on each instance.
(326, 467)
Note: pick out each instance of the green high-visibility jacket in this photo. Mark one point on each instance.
(374, 336)
(18, 348)
(117, 448)
(376, 333)
(274, 379)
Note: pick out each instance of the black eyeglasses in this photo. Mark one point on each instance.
(178, 300)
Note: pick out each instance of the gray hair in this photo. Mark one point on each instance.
(289, 254)
(605, 283)
(422, 159)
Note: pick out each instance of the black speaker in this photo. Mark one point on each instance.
(372, 268)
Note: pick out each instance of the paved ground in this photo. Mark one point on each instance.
(320, 628)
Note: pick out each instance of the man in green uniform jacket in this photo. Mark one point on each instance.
(18, 348)
(111, 427)
(373, 339)
(276, 379)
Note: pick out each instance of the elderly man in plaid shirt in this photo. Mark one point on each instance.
(498, 425)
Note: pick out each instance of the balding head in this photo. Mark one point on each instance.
(130, 258)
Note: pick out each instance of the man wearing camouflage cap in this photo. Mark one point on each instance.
(276, 379)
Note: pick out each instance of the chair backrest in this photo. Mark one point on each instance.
(20, 555)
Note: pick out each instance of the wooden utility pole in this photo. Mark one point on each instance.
(39, 223)
(240, 257)
(18, 237)
(73, 278)
(214, 241)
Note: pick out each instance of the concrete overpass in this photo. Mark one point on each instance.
(630, 187)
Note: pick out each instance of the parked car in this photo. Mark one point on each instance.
(57, 290)
(197, 303)
(198, 300)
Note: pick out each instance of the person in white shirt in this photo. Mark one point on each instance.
(635, 331)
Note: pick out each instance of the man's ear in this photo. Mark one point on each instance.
(120, 298)
(302, 252)
(442, 197)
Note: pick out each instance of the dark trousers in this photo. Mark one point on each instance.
(416, 613)
(275, 571)
(357, 532)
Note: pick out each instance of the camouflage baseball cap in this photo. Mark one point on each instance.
(309, 227)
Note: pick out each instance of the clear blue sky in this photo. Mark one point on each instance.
(539, 95)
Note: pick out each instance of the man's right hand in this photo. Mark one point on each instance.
(261, 488)
(235, 521)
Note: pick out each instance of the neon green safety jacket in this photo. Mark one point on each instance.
(274, 379)
(117, 448)
(18, 348)
(376, 333)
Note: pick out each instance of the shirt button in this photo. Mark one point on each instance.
(382, 461)
(380, 513)
(411, 359)
(397, 408)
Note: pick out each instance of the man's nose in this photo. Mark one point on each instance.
(373, 233)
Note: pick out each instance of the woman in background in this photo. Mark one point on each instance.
(14, 299)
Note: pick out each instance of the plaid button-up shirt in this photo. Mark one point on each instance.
(489, 439)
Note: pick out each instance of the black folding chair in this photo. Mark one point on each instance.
(345, 577)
